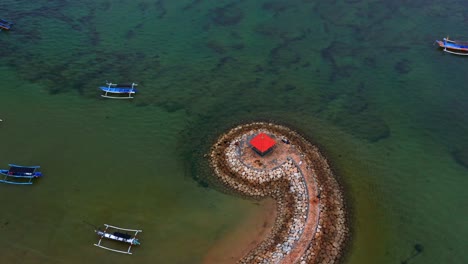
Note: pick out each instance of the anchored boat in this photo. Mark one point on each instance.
(5, 25)
(118, 236)
(119, 90)
(17, 174)
(456, 47)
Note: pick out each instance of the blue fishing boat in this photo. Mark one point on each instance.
(6, 25)
(17, 174)
(456, 47)
(118, 90)
(118, 236)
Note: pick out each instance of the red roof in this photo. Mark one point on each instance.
(262, 142)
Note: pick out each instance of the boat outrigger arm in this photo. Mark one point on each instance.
(117, 236)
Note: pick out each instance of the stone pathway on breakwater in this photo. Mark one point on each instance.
(310, 224)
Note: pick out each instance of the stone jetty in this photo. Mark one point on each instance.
(311, 224)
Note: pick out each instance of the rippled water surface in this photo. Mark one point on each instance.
(362, 79)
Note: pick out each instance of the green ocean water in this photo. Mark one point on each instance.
(362, 79)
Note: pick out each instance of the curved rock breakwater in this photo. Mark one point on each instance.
(311, 225)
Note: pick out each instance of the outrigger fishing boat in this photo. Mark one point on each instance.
(16, 174)
(118, 236)
(453, 46)
(119, 90)
(6, 25)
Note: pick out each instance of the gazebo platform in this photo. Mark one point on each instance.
(274, 158)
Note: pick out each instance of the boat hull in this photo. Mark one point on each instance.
(21, 175)
(5, 25)
(132, 241)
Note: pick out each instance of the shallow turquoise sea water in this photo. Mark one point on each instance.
(362, 79)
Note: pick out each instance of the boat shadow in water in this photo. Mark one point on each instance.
(417, 249)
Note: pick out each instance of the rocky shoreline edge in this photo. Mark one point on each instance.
(311, 224)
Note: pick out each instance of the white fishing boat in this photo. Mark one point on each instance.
(118, 236)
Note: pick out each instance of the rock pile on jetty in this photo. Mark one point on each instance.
(310, 226)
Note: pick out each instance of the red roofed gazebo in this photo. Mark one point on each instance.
(262, 143)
